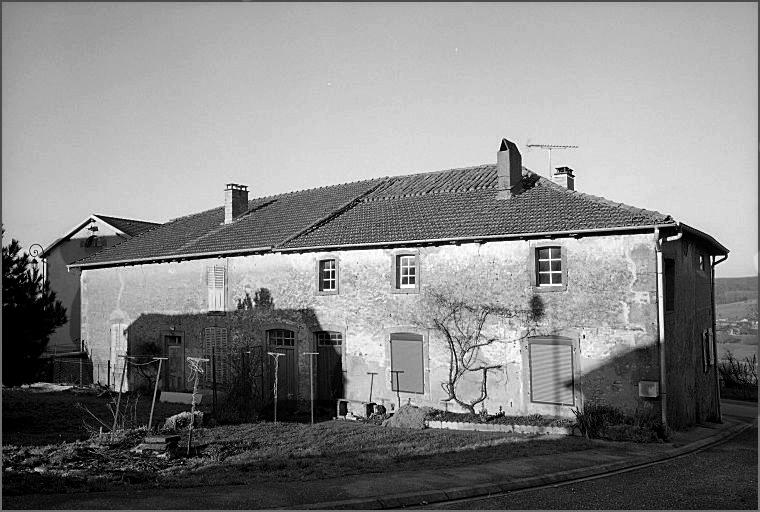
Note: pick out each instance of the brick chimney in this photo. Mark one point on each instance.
(235, 201)
(564, 176)
(509, 166)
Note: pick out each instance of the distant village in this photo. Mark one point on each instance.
(741, 327)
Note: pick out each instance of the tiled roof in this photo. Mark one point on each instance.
(129, 226)
(457, 203)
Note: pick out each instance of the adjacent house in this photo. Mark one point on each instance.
(618, 300)
(93, 234)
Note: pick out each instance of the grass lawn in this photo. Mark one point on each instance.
(260, 452)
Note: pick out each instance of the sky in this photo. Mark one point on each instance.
(147, 110)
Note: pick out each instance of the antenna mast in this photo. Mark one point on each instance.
(549, 148)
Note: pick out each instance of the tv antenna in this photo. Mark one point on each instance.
(549, 148)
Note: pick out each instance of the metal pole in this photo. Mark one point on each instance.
(155, 390)
(121, 386)
(371, 382)
(311, 381)
(398, 392)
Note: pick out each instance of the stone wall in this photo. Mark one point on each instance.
(608, 309)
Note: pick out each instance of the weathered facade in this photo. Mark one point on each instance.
(603, 332)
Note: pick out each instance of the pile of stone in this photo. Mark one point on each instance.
(161, 444)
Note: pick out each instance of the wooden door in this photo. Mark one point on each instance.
(118, 350)
(329, 365)
(282, 341)
(175, 366)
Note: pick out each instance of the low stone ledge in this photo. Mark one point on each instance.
(499, 427)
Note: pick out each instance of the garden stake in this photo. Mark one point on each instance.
(398, 392)
(155, 389)
(371, 381)
(276, 356)
(195, 369)
(311, 381)
(118, 401)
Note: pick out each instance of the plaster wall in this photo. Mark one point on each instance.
(608, 309)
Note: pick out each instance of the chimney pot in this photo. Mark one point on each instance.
(509, 170)
(564, 176)
(235, 201)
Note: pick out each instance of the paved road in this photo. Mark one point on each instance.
(723, 477)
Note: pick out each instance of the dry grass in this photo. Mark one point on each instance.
(260, 452)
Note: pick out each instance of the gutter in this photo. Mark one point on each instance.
(714, 332)
(661, 321)
(166, 259)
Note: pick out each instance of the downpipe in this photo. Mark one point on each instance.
(714, 333)
(661, 322)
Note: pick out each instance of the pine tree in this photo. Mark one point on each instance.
(30, 315)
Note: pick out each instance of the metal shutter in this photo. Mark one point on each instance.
(551, 374)
(406, 356)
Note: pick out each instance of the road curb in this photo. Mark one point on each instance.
(477, 491)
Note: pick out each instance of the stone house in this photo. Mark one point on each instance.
(93, 234)
(625, 294)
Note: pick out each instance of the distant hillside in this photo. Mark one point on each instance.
(735, 289)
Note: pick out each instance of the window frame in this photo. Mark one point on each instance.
(533, 266)
(318, 266)
(280, 330)
(320, 334)
(396, 267)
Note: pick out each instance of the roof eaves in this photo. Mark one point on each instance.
(476, 239)
(166, 259)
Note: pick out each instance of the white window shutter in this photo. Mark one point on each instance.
(215, 279)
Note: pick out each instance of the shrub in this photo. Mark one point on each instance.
(739, 377)
(601, 421)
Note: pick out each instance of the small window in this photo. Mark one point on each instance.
(549, 266)
(703, 263)
(328, 275)
(281, 337)
(707, 353)
(215, 278)
(670, 284)
(328, 339)
(406, 272)
(407, 365)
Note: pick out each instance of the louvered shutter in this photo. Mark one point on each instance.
(551, 374)
(118, 348)
(216, 342)
(215, 277)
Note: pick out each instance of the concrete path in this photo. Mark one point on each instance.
(394, 490)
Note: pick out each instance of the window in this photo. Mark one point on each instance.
(407, 365)
(703, 263)
(670, 284)
(328, 338)
(215, 278)
(707, 355)
(552, 378)
(281, 338)
(548, 266)
(216, 349)
(406, 274)
(328, 276)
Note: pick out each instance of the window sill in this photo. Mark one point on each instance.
(327, 292)
(216, 313)
(406, 291)
(557, 288)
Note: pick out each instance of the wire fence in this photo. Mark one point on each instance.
(76, 370)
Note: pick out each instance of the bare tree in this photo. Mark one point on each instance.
(461, 323)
